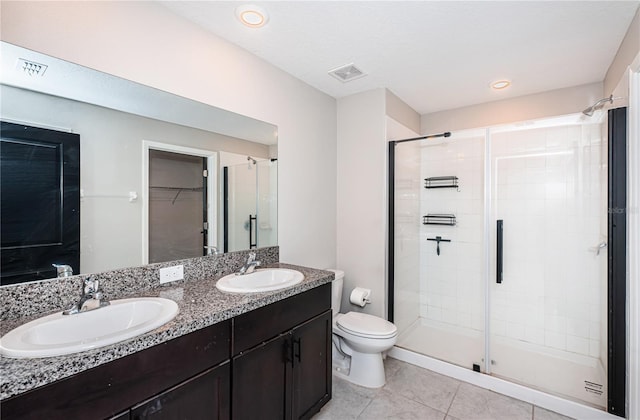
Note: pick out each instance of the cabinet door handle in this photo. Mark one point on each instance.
(297, 349)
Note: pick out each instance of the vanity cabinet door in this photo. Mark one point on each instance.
(259, 386)
(311, 366)
(288, 377)
(205, 396)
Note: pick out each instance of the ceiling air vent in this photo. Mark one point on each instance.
(347, 73)
(31, 68)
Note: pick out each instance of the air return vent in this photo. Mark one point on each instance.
(31, 68)
(347, 73)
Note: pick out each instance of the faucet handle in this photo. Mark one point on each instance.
(252, 257)
(91, 285)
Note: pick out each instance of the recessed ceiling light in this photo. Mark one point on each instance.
(252, 16)
(500, 84)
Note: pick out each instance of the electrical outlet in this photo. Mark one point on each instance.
(171, 273)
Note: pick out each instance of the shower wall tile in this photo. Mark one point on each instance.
(577, 344)
(555, 340)
(594, 348)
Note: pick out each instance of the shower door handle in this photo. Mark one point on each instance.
(499, 250)
(253, 234)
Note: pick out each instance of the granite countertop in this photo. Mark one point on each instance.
(201, 304)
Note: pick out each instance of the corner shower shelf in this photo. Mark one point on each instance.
(441, 182)
(439, 219)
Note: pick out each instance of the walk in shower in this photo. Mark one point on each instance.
(249, 204)
(499, 252)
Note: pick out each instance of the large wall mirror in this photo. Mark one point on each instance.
(161, 177)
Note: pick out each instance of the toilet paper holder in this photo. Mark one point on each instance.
(360, 296)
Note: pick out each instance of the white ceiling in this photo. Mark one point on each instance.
(434, 55)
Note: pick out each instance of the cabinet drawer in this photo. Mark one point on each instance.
(108, 389)
(258, 326)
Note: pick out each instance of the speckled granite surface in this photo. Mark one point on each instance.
(200, 303)
(38, 297)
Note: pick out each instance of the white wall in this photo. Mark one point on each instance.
(144, 42)
(361, 206)
(541, 105)
(626, 54)
(364, 126)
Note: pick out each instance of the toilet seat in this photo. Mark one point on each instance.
(365, 325)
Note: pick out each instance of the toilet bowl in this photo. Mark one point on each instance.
(359, 341)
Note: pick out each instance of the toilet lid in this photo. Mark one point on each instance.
(366, 325)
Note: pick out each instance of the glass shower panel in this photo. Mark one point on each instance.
(438, 268)
(267, 211)
(547, 317)
(242, 190)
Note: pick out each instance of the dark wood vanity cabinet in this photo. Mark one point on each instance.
(288, 376)
(112, 389)
(205, 396)
(271, 363)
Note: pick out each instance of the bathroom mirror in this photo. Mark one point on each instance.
(121, 125)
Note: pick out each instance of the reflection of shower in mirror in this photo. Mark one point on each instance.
(251, 160)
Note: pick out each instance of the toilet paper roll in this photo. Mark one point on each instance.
(360, 296)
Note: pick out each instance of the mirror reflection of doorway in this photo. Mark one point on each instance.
(177, 206)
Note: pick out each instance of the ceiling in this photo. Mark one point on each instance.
(434, 55)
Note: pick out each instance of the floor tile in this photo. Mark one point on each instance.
(423, 386)
(347, 401)
(390, 406)
(392, 366)
(542, 414)
(475, 403)
(412, 392)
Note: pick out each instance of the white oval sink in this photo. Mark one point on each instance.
(57, 334)
(261, 280)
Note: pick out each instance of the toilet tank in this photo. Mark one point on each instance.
(336, 291)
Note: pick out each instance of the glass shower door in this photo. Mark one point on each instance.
(439, 248)
(267, 204)
(547, 282)
(241, 207)
(251, 211)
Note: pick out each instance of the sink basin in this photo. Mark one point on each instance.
(58, 334)
(261, 280)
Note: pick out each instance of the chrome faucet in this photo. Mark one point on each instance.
(249, 266)
(63, 270)
(212, 250)
(90, 298)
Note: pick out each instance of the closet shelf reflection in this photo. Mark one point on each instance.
(178, 190)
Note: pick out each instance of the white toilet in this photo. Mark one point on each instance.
(359, 341)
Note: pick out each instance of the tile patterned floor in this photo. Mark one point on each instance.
(412, 392)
